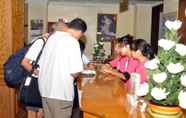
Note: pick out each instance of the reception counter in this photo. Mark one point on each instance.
(104, 96)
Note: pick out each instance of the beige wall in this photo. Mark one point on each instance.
(89, 12)
(171, 6)
(135, 21)
(143, 21)
(37, 9)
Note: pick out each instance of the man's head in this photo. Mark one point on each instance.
(61, 25)
(77, 27)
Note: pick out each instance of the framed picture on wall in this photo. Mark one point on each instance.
(106, 27)
(164, 17)
(36, 28)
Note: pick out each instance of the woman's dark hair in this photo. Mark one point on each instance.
(125, 40)
(144, 47)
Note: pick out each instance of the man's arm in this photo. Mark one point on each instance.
(75, 75)
(28, 66)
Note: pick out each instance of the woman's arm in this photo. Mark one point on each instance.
(115, 73)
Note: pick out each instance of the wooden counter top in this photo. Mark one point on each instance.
(107, 98)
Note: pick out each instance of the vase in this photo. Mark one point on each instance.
(157, 111)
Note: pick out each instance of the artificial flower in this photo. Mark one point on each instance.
(183, 80)
(152, 64)
(160, 77)
(166, 44)
(101, 43)
(175, 68)
(182, 99)
(96, 45)
(143, 89)
(181, 49)
(173, 25)
(159, 93)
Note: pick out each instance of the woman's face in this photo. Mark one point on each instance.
(136, 54)
(117, 49)
(125, 50)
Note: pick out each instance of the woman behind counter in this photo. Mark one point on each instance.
(131, 60)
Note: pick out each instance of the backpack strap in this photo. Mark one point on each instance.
(35, 64)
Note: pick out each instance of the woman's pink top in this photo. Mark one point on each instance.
(126, 64)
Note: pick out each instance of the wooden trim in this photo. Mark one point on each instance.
(182, 17)
(155, 26)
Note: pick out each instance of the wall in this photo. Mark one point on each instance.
(37, 9)
(171, 6)
(88, 12)
(143, 20)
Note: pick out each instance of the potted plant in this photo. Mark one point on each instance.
(99, 52)
(167, 75)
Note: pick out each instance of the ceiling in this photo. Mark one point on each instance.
(105, 1)
(92, 1)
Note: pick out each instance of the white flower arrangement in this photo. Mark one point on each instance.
(167, 72)
(160, 77)
(183, 80)
(166, 44)
(152, 64)
(181, 49)
(173, 25)
(182, 99)
(99, 51)
(175, 68)
(159, 94)
(143, 89)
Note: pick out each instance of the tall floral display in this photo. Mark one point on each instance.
(99, 51)
(167, 71)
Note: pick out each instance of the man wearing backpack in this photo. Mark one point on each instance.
(59, 65)
(31, 55)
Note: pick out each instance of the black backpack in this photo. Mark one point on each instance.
(14, 72)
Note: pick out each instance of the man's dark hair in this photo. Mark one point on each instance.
(78, 24)
(82, 46)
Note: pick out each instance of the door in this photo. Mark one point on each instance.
(11, 39)
(182, 17)
(156, 10)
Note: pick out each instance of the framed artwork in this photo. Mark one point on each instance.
(106, 27)
(164, 17)
(36, 28)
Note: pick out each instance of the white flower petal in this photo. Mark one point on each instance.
(158, 93)
(168, 24)
(173, 25)
(143, 90)
(152, 64)
(166, 44)
(160, 77)
(182, 99)
(183, 80)
(181, 49)
(177, 24)
(175, 68)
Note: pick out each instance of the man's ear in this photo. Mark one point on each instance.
(128, 46)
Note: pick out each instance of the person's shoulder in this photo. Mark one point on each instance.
(38, 41)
